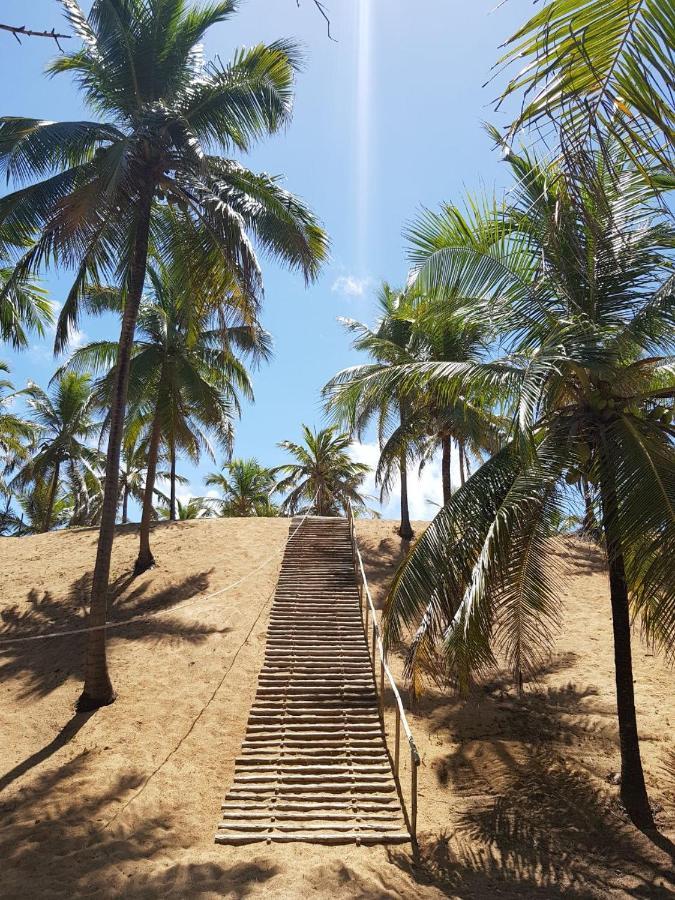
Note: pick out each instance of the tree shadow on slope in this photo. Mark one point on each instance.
(54, 843)
(526, 813)
(45, 665)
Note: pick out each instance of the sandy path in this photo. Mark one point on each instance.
(513, 796)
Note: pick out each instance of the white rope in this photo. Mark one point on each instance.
(198, 599)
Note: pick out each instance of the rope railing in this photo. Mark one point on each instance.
(369, 617)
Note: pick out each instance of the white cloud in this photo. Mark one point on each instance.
(77, 339)
(425, 488)
(351, 285)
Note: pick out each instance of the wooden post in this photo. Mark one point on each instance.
(413, 795)
(382, 690)
(397, 747)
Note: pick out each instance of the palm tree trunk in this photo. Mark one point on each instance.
(633, 789)
(125, 505)
(462, 454)
(405, 529)
(172, 501)
(145, 559)
(446, 459)
(54, 486)
(98, 690)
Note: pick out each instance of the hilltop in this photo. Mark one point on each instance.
(516, 795)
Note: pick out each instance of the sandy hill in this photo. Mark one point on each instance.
(516, 797)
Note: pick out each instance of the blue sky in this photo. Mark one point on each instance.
(387, 121)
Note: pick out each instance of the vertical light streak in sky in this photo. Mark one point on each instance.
(364, 54)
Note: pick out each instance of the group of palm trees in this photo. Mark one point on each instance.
(533, 339)
(536, 335)
(160, 224)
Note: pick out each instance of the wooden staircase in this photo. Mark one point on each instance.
(314, 765)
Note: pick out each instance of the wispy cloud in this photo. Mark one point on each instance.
(425, 488)
(351, 285)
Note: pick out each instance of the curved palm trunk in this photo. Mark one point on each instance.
(145, 559)
(172, 501)
(633, 789)
(98, 690)
(446, 460)
(53, 487)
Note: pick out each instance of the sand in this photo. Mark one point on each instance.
(515, 796)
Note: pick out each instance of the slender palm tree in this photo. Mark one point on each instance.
(349, 405)
(575, 276)
(133, 470)
(415, 330)
(324, 478)
(594, 66)
(94, 188)
(184, 379)
(66, 426)
(246, 487)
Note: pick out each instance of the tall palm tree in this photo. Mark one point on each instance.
(167, 115)
(324, 478)
(594, 66)
(415, 330)
(184, 379)
(246, 487)
(66, 426)
(388, 344)
(576, 278)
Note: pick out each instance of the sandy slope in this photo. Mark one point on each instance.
(514, 800)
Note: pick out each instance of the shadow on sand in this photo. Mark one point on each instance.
(45, 665)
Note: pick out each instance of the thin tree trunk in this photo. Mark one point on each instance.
(633, 789)
(462, 454)
(53, 487)
(446, 460)
(98, 690)
(172, 501)
(125, 505)
(145, 559)
(405, 529)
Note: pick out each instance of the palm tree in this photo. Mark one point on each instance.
(389, 344)
(246, 487)
(598, 65)
(133, 470)
(325, 478)
(16, 433)
(168, 114)
(575, 277)
(193, 508)
(24, 307)
(184, 379)
(415, 330)
(65, 425)
(36, 502)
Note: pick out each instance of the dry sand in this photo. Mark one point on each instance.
(514, 796)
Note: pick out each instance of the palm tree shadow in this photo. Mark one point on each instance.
(528, 815)
(43, 666)
(67, 733)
